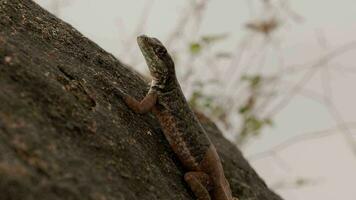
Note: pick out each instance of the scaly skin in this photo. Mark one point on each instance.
(181, 128)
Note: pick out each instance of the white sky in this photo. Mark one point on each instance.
(327, 162)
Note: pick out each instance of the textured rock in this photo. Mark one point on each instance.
(64, 135)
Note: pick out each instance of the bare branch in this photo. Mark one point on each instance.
(300, 138)
(314, 68)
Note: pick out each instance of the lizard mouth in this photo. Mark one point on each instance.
(145, 47)
(142, 40)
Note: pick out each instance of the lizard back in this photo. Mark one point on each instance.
(181, 127)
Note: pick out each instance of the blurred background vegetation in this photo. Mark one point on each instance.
(276, 78)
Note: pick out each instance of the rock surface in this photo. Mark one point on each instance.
(64, 135)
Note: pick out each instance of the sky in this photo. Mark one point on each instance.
(324, 166)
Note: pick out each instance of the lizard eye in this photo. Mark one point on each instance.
(160, 51)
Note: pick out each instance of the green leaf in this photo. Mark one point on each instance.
(194, 99)
(268, 121)
(254, 80)
(244, 109)
(195, 48)
(301, 181)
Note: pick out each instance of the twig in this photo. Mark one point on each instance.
(299, 138)
(321, 62)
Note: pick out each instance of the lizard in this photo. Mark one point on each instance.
(181, 128)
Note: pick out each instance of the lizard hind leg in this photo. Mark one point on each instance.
(199, 183)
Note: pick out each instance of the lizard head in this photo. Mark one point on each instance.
(158, 60)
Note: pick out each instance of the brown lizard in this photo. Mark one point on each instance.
(180, 126)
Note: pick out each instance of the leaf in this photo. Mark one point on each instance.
(208, 102)
(255, 80)
(268, 122)
(208, 39)
(244, 109)
(195, 48)
(301, 182)
(194, 99)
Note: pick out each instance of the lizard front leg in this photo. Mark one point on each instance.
(200, 184)
(140, 107)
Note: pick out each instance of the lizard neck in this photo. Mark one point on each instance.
(165, 83)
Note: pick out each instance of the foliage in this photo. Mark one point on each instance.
(252, 124)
